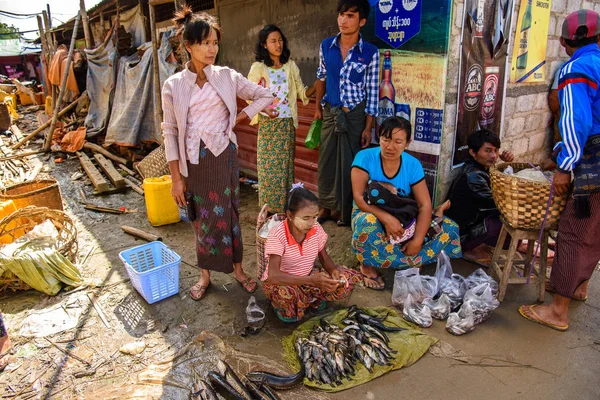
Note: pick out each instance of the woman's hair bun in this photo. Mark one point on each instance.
(183, 16)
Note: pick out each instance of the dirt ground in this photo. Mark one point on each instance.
(506, 357)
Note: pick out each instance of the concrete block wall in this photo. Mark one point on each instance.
(527, 130)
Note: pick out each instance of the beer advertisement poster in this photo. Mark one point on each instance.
(529, 53)
(413, 36)
(486, 31)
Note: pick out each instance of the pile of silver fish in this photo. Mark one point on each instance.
(225, 383)
(329, 354)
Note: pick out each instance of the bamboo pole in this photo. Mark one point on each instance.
(47, 124)
(63, 85)
(45, 53)
(86, 25)
(156, 72)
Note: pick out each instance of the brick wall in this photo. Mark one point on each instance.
(526, 125)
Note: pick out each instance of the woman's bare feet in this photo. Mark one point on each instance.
(439, 210)
(581, 293)
(545, 315)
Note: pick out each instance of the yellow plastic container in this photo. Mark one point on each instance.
(6, 208)
(160, 206)
(48, 106)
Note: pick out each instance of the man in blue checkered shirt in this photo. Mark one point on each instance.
(347, 92)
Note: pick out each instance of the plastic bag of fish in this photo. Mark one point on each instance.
(440, 308)
(479, 303)
(417, 313)
(330, 353)
(478, 277)
(407, 282)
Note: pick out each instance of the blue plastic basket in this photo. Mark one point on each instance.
(153, 269)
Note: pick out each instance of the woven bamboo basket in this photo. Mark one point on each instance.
(24, 220)
(261, 260)
(154, 164)
(523, 202)
(39, 193)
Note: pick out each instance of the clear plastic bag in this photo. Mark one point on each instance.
(254, 313)
(407, 282)
(440, 308)
(443, 270)
(455, 288)
(461, 322)
(417, 313)
(430, 286)
(482, 301)
(478, 277)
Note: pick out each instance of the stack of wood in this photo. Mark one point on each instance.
(14, 166)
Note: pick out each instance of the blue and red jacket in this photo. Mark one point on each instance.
(579, 104)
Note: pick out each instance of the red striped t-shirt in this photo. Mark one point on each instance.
(296, 259)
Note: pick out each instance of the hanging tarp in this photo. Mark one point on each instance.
(16, 47)
(135, 117)
(133, 22)
(102, 63)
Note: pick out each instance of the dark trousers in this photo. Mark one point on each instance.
(486, 232)
(340, 141)
(577, 248)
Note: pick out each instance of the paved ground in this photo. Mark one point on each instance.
(506, 357)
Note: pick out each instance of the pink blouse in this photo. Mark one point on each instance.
(207, 121)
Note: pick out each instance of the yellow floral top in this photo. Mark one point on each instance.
(259, 73)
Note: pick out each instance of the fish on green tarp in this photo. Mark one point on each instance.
(406, 344)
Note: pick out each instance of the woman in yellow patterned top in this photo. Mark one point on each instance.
(276, 145)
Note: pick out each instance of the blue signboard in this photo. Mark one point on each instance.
(428, 125)
(397, 21)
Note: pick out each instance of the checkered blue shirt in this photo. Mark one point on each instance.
(350, 81)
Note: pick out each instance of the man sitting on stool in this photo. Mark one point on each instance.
(472, 205)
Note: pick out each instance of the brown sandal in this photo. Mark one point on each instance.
(200, 291)
(246, 284)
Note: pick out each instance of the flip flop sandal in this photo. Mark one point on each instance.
(377, 279)
(550, 289)
(538, 320)
(342, 223)
(198, 289)
(245, 284)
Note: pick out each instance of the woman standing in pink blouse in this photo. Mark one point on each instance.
(200, 111)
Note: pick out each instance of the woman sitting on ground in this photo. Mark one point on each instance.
(378, 237)
(291, 281)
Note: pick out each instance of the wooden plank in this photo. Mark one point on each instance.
(110, 170)
(134, 186)
(17, 132)
(98, 149)
(95, 176)
(158, 2)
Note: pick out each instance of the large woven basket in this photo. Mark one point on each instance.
(523, 202)
(154, 164)
(39, 193)
(261, 261)
(24, 220)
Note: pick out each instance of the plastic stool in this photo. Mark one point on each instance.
(503, 262)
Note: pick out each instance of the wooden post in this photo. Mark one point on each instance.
(63, 85)
(47, 27)
(86, 25)
(155, 60)
(45, 53)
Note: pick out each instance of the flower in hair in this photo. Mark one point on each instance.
(297, 185)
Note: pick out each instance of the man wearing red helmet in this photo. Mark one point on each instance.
(577, 252)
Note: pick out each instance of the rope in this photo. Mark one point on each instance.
(539, 241)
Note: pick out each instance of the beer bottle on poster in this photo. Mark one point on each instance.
(490, 92)
(524, 38)
(387, 93)
(474, 77)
